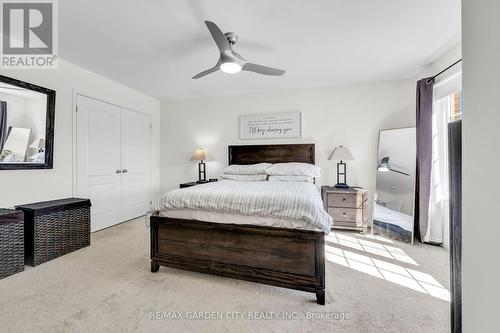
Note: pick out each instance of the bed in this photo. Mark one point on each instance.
(263, 252)
(396, 224)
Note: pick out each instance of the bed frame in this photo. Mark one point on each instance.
(289, 258)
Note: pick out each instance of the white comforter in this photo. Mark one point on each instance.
(289, 200)
(384, 214)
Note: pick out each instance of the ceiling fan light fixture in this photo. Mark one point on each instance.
(383, 168)
(384, 165)
(230, 67)
(230, 61)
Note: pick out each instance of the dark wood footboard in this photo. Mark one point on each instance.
(288, 258)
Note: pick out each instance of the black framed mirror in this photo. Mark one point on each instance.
(27, 114)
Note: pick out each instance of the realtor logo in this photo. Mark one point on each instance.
(29, 34)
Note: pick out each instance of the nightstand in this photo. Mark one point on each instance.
(348, 207)
(189, 184)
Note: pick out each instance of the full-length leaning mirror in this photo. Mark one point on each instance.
(395, 188)
(26, 125)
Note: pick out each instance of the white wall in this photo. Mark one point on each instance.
(24, 186)
(445, 60)
(481, 161)
(346, 115)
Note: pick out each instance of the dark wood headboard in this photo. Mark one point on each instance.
(251, 154)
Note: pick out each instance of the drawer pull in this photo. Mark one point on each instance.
(344, 199)
(344, 214)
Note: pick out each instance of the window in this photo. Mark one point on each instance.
(456, 110)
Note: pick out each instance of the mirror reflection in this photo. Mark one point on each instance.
(395, 191)
(23, 116)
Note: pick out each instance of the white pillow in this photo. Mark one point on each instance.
(307, 179)
(249, 169)
(245, 178)
(293, 169)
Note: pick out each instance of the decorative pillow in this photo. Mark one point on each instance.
(245, 178)
(307, 179)
(293, 169)
(250, 169)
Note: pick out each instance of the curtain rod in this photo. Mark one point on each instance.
(444, 70)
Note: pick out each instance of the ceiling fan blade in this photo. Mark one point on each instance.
(401, 172)
(208, 71)
(262, 69)
(237, 55)
(218, 37)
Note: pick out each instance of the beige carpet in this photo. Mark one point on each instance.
(373, 286)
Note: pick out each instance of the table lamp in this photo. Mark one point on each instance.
(341, 154)
(202, 156)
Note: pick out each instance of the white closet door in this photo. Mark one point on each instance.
(98, 159)
(135, 161)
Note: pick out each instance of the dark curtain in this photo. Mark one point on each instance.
(424, 155)
(3, 123)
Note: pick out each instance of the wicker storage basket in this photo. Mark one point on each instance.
(11, 242)
(55, 228)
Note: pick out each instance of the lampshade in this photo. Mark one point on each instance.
(201, 155)
(341, 153)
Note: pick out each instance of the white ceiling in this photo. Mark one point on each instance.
(157, 46)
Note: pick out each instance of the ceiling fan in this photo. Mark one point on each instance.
(384, 166)
(230, 61)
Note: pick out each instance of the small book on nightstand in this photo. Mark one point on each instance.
(348, 207)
